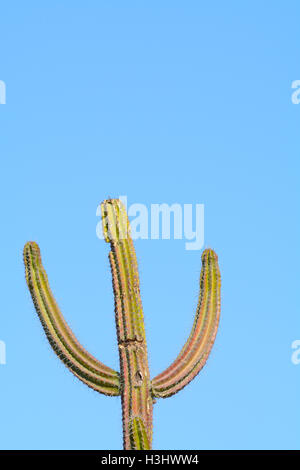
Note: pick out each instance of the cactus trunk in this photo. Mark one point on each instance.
(137, 402)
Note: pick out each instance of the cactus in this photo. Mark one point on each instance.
(133, 384)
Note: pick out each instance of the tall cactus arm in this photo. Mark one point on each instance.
(196, 350)
(137, 400)
(83, 365)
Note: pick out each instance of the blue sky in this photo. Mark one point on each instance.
(186, 102)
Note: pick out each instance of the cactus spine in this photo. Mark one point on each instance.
(133, 382)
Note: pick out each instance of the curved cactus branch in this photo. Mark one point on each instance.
(196, 350)
(137, 400)
(83, 365)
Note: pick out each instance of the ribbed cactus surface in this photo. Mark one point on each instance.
(133, 381)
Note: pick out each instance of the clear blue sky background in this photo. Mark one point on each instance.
(172, 101)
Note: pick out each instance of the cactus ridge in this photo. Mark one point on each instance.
(133, 383)
(138, 434)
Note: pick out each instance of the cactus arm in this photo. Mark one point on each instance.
(196, 350)
(137, 401)
(83, 365)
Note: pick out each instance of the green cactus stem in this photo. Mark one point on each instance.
(92, 372)
(133, 383)
(196, 350)
(137, 400)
